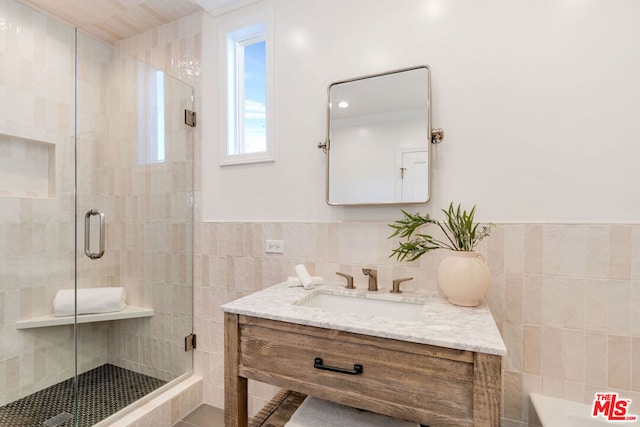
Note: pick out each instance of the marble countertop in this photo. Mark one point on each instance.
(440, 323)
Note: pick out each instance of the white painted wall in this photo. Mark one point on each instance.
(539, 101)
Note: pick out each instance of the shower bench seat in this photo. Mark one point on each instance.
(129, 312)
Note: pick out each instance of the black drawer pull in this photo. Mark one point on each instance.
(357, 368)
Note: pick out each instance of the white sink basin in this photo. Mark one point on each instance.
(364, 306)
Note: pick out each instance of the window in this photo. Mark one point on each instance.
(251, 119)
(151, 129)
(248, 113)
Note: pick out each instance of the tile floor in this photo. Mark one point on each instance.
(203, 416)
(102, 392)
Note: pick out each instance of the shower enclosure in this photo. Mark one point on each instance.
(87, 133)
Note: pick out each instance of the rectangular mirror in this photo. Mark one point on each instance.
(378, 139)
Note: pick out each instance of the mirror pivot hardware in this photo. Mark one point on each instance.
(437, 135)
(323, 146)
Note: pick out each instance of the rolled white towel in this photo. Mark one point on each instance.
(90, 300)
(304, 276)
(294, 282)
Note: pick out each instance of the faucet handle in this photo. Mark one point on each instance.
(349, 278)
(396, 285)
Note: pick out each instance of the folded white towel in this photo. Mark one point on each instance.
(294, 282)
(90, 300)
(304, 276)
(316, 412)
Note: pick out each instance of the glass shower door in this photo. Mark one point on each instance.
(36, 214)
(134, 188)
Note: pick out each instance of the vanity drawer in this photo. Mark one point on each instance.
(413, 381)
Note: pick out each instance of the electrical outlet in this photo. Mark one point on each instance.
(274, 247)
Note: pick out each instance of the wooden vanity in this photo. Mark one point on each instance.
(428, 384)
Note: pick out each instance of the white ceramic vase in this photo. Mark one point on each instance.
(464, 278)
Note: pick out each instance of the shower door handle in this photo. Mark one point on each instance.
(87, 234)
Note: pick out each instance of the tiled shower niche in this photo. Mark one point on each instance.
(27, 167)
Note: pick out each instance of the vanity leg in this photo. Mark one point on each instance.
(487, 378)
(235, 386)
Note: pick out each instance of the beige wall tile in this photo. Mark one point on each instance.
(321, 240)
(573, 390)
(590, 393)
(514, 249)
(495, 250)
(553, 249)
(512, 395)
(635, 308)
(530, 384)
(532, 300)
(553, 387)
(513, 337)
(635, 252)
(635, 364)
(619, 362)
(598, 251)
(573, 357)
(176, 409)
(552, 351)
(574, 301)
(596, 305)
(532, 350)
(300, 241)
(513, 297)
(495, 296)
(334, 243)
(552, 301)
(564, 250)
(619, 307)
(620, 252)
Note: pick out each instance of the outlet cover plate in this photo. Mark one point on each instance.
(274, 246)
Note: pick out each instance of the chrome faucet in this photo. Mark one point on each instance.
(373, 278)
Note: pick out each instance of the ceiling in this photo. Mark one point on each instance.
(113, 20)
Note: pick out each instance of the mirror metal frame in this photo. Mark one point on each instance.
(326, 145)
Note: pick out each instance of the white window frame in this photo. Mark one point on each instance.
(233, 37)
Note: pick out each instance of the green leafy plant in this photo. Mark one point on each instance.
(461, 233)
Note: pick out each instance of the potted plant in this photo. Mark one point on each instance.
(463, 275)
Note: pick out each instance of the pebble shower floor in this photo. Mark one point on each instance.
(102, 392)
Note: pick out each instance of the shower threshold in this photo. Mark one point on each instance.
(102, 392)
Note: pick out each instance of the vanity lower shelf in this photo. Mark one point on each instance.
(129, 312)
(279, 410)
(421, 383)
